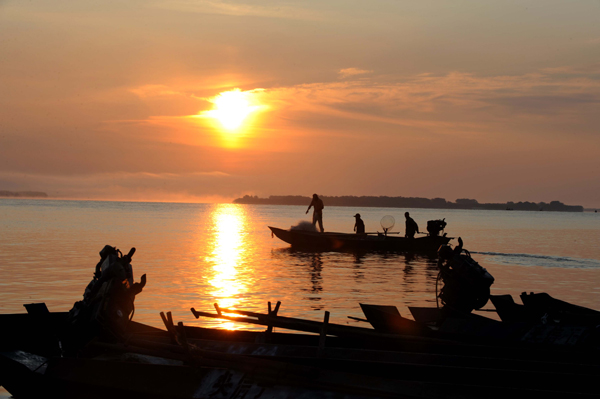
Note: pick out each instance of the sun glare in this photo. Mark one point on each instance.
(232, 108)
(227, 257)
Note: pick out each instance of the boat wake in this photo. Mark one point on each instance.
(541, 260)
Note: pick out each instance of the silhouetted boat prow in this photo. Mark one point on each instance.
(303, 239)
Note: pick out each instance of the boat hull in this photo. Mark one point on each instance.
(354, 242)
(231, 364)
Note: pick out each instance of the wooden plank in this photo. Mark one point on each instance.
(309, 325)
(323, 333)
(272, 371)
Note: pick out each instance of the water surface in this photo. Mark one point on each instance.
(196, 255)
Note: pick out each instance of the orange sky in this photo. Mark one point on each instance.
(497, 101)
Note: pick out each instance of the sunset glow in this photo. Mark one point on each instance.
(232, 108)
(493, 101)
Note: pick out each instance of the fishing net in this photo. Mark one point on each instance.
(387, 222)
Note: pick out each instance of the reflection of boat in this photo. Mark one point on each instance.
(358, 242)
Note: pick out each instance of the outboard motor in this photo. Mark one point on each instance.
(466, 283)
(434, 227)
(108, 300)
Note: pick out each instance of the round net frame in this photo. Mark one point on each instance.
(387, 222)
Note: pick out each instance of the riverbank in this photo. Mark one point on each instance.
(410, 202)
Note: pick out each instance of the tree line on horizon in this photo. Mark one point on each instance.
(409, 202)
(23, 194)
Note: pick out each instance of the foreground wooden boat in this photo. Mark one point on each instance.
(302, 239)
(184, 361)
(433, 328)
(149, 365)
(134, 373)
(97, 351)
(460, 360)
(548, 324)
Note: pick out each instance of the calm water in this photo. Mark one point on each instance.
(197, 254)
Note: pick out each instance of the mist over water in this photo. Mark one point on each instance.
(196, 255)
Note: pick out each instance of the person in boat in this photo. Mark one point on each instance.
(317, 203)
(359, 226)
(411, 226)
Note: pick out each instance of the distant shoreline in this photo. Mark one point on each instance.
(350, 201)
(22, 194)
(410, 202)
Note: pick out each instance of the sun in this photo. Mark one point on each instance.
(232, 108)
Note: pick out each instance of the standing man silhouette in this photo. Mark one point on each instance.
(359, 226)
(411, 226)
(317, 203)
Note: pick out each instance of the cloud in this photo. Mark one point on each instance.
(547, 105)
(347, 72)
(241, 9)
(449, 97)
(456, 103)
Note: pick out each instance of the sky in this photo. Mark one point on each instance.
(207, 100)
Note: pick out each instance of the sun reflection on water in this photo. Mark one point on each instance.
(226, 257)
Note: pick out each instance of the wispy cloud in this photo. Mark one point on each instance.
(242, 9)
(449, 103)
(347, 72)
(455, 99)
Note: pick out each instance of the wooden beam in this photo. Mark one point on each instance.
(291, 323)
(323, 334)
